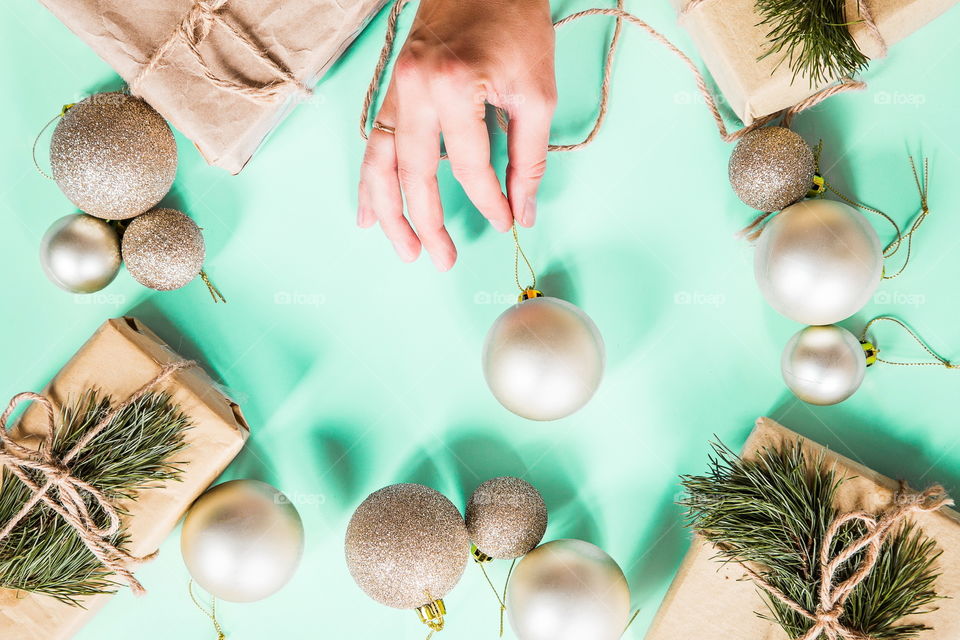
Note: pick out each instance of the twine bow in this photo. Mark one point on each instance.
(832, 594)
(193, 30)
(70, 501)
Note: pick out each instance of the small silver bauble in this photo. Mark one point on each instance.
(771, 168)
(242, 540)
(506, 517)
(163, 249)
(80, 253)
(818, 262)
(568, 590)
(113, 155)
(823, 365)
(406, 546)
(543, 358)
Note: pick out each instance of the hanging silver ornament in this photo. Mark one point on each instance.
(113, 156)
(506, 518)
(568, 590)
(818, 262)
(80, 253)
(163, 249)
(543, 358)
(771, 168)
(242, 540)
(823, 365)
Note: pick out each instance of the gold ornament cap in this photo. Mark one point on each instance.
(870, 352)
(431, 614)
(818, 187)
(479, 556)
(529, 294)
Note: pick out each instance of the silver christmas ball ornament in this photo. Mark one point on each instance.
(823, 365)
(543, 358)
(113, 156)
(506, 517)
(818, 262)
(80, 253)
(771, 168)
(242, 540)
(163, 249)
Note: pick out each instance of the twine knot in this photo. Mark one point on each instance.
(74, 496)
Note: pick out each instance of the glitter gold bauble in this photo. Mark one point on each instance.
(406, 546)
(568, 590)
(506, 517)
(771, 168)
(163, 249)
(80, 253)
(823, 365)
(113, 156)
(543, 358)
(242, 540)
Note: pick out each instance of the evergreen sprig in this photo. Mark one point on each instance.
(812, 37)
(773, 512)
(44, 554)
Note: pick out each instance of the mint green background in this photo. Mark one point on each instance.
(357, 371)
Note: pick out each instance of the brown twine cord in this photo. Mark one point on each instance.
(70, 503)
(833, 597)
(940, 361)
(386, 51)
(194, 28)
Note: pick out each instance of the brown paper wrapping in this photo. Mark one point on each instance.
(305, 36)
(730, 43)
(710, 600)
(120, 357)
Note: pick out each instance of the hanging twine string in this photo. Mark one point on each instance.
(832, 594)
(211, 613)
(940, 361)
(71, 501)
(194, 28)
(517, 254)
(787, 115)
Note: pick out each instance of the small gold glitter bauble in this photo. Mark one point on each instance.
(771, 168)
(113, 156)
(163, 249)
(506, 517)
(406, 546)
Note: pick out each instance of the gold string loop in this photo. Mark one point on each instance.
(517, 254)
(940, 361)
(212, 288)
(36, 141)
(211, 613)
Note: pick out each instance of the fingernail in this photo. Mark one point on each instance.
(529, 212)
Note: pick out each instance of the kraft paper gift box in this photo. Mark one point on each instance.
(730, 40)
(301, 37)
(120, 357)
(711, 600)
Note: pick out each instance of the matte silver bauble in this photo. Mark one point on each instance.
(406, 546)
(80, 253)
(543, 358)
(823, 365)
(242, 540)
(818, 262)
(163, 249)
(113, 156)
(506, 517)
(771, 168)
(568, 590)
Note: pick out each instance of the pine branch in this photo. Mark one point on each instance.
(812, 37)
(44, 554)
(773, 512)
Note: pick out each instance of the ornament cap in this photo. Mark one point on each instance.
(818, 187)
(431, 614)
(870, 352)
(479, 556)
(529, 294)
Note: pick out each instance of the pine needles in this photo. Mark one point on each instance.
(43, 554)
(813, 38)
(773, 512)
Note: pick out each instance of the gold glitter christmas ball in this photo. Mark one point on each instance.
(406, 546)
(163, 249)
(506, 517)
(771, 168)
(113, 156)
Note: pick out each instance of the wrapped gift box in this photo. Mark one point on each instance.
(730, 41)
(120, 357)
(303, 37)
(711, 600)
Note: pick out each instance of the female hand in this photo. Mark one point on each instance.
(460, 54)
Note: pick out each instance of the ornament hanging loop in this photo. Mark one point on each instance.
(517, 254)
(940, 361)
(211, 613)
(212, 288)
(36, 141)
